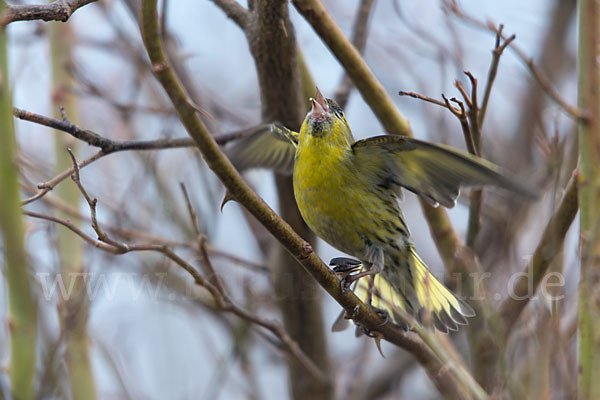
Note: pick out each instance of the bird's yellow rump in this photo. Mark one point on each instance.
(347, 192)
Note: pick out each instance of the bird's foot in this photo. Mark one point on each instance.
(354, 277)
(344, 267)
(384, 315)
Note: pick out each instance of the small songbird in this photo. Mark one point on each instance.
(347, 191)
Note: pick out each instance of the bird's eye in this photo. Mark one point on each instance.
(335, 108)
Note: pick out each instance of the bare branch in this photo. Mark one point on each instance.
(59, 10)
(473, 113)
(496, 53)
(474, 146)
(359, 40)
(131, 234)
(539, 76)
(300, 249)
(191, 210)
(235, 11)
(112, 146)
(102, 236)
(109, 146)
(546, 250)
(217, 290)
(47, 186)
(429, 100)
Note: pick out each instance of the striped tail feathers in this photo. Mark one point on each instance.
(383, 297)
(449, 311)
(425, 292)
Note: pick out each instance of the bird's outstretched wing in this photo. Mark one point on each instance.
(433, 171)
(272, 146)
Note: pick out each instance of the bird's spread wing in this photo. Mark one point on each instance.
(272, 146)
(435, 172)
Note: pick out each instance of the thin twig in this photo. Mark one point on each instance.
(473, 113)
(111, 146)
(191, 210)
(548, 247)
(496, 53)
(429, 100)
(102, 236)
(47, 186)
(461, 114)
(217, 290)
(211, 272)
(539, 76)
(73, 212)
(474, 146)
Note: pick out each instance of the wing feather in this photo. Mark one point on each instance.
(273, 147)
(435, 172)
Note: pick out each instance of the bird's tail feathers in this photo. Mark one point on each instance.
(424, 293)
(423, 296)
(448, 310)
(383, 296)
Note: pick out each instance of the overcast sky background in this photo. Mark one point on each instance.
(163, 345)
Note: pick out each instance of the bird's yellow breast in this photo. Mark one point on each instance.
(335, 199)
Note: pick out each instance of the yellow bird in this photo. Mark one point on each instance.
(347, 192)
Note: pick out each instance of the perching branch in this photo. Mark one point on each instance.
(300, 249)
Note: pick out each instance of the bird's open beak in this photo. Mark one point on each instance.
(319, 106)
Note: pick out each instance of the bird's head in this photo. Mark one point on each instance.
(325, 120)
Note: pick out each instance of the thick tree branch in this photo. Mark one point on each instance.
(356, 67)
(59, 10)
(272, 43)
(588, 86)
(235, 11)
(22, 309)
